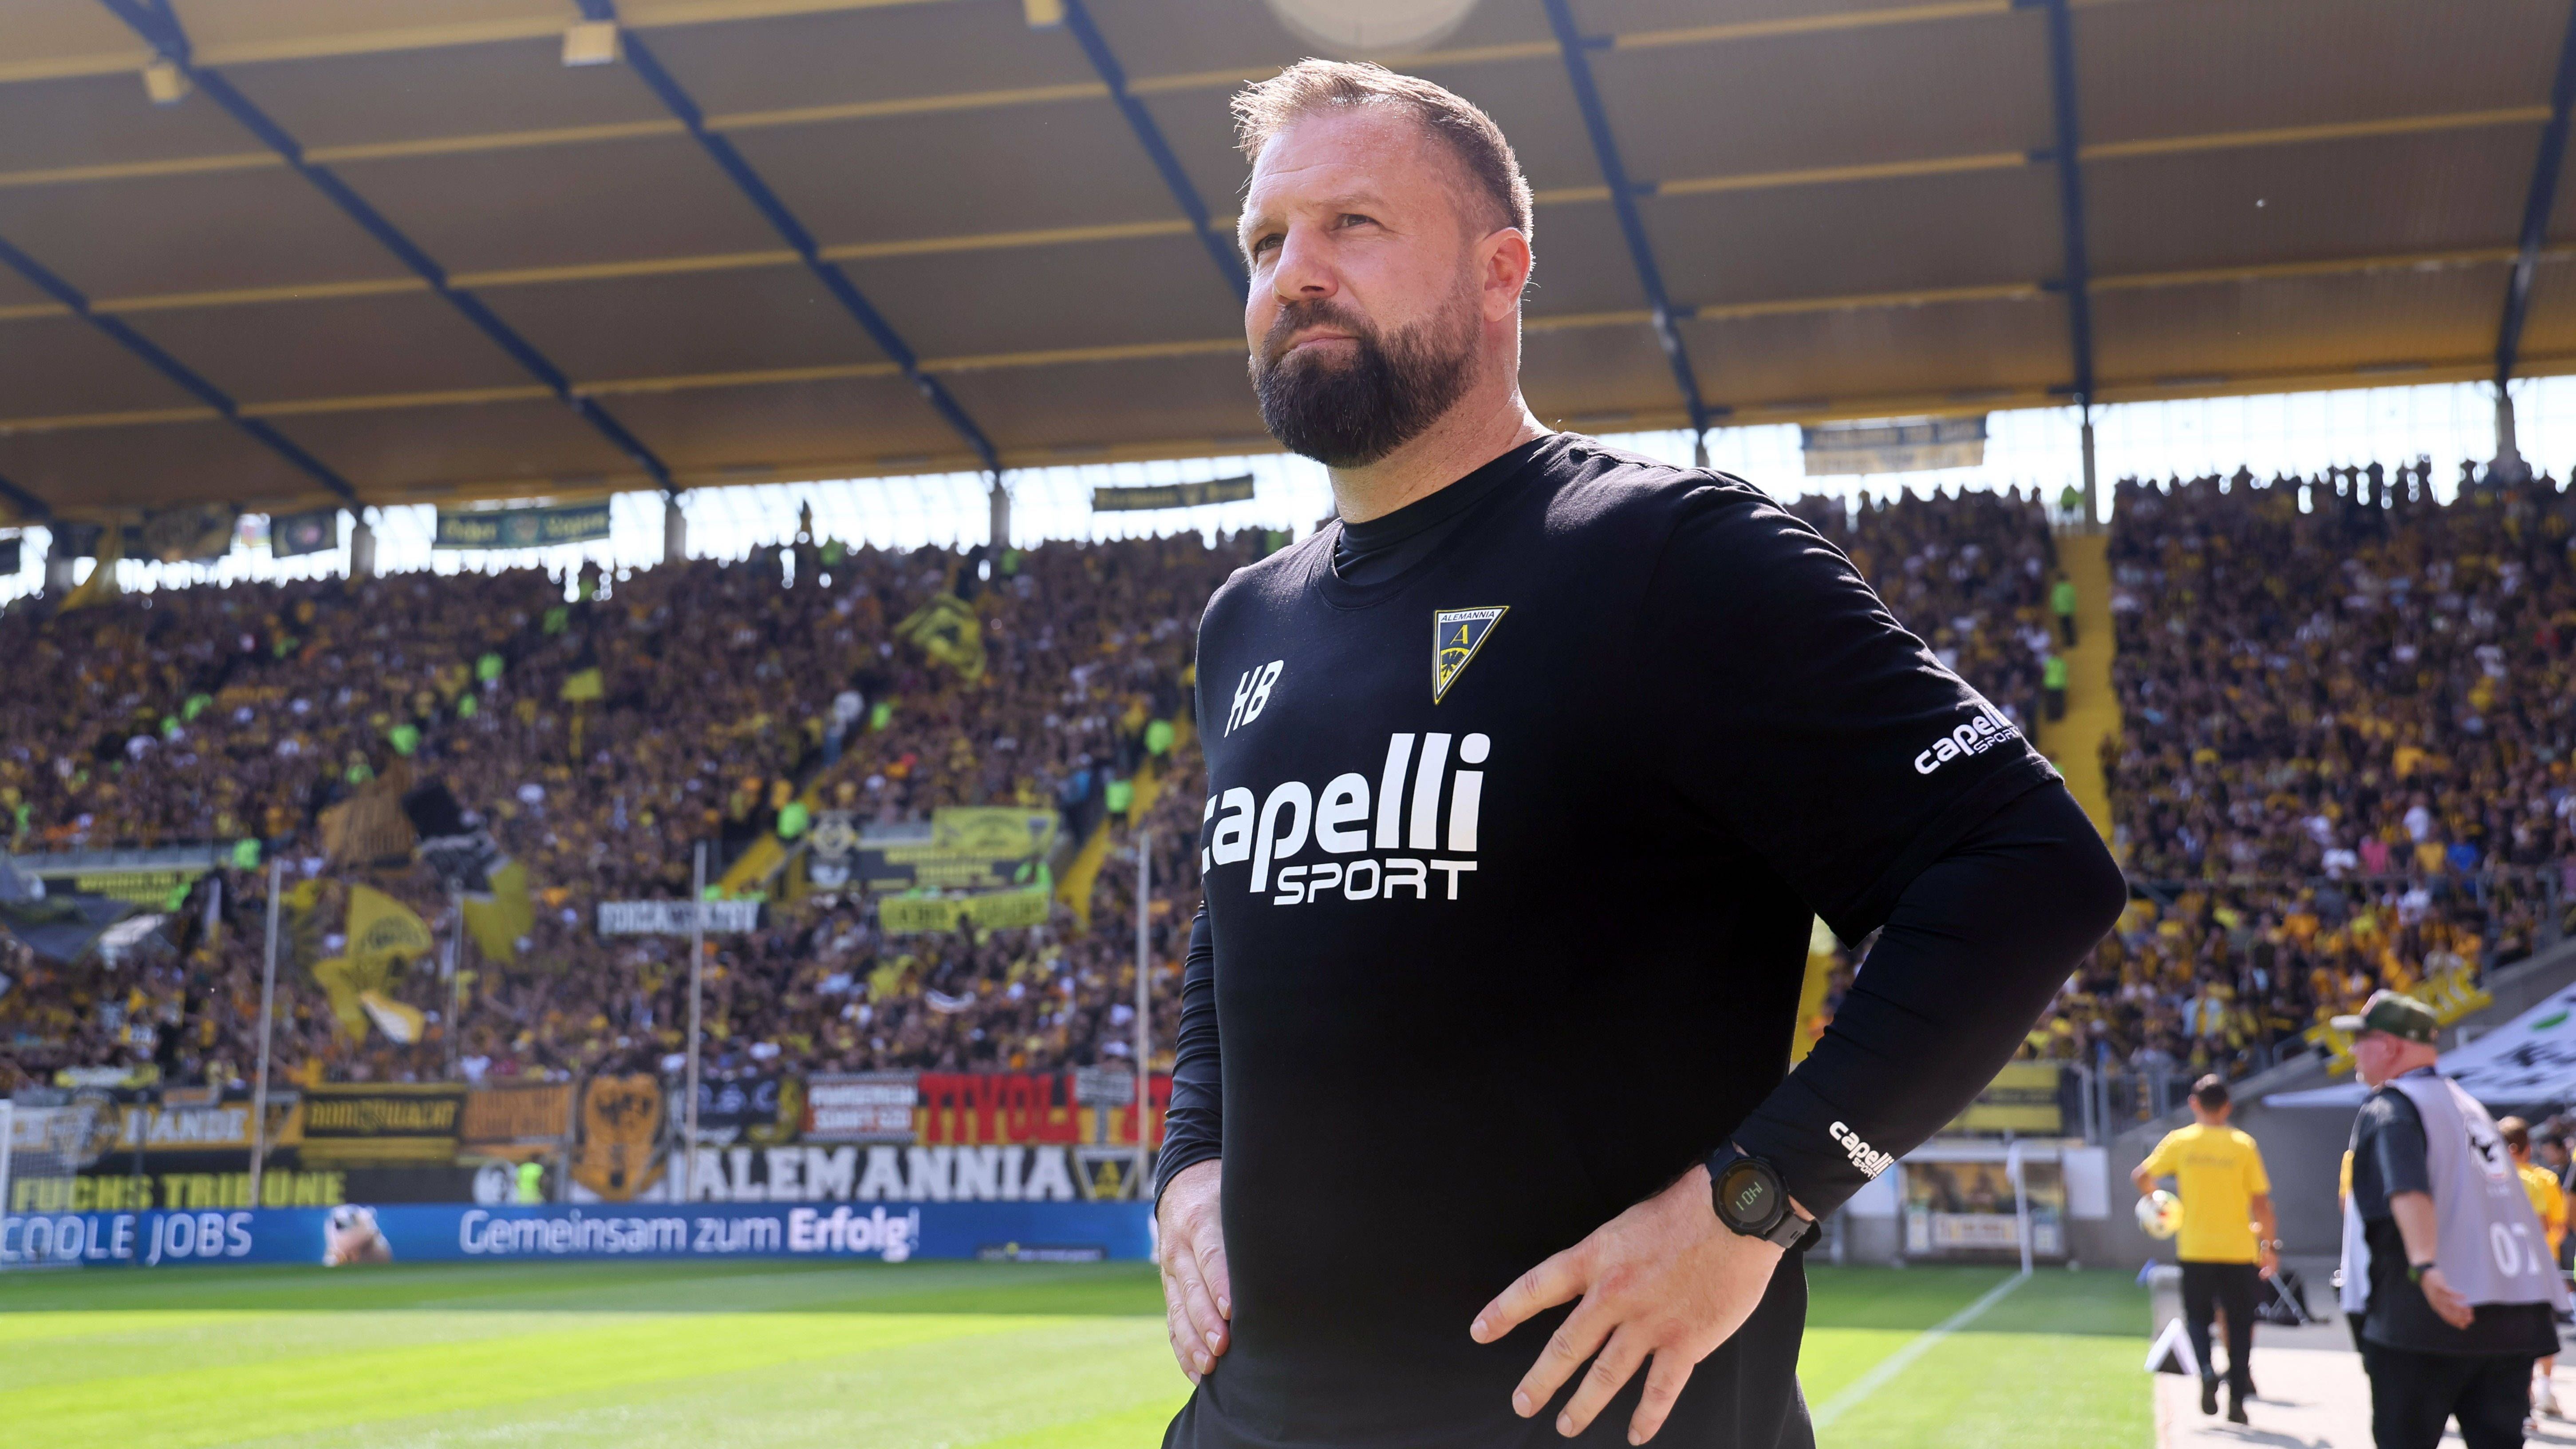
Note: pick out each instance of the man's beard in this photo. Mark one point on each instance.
(1350, 413)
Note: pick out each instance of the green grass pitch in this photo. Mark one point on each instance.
(934, 1355)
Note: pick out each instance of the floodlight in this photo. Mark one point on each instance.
(164, 82)
(1371, 27)
(591, 42)
(1043, 14)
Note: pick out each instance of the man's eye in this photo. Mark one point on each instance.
(1353, 218)
(1265, 242)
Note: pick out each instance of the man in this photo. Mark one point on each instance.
(2229, 1241)
(2442, 1255)
(1525, 775)
(2549, 1204)
(2061, 601)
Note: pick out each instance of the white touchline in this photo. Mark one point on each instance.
(1914, 1348)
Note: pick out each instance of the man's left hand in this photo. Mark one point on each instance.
(1665, 1278)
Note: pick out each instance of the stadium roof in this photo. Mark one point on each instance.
(401, 253)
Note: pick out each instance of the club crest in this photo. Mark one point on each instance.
(1456, 635)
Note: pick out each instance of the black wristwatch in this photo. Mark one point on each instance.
(1751, 1200)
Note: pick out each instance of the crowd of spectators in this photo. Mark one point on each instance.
(2344, 763)
(600, 727)
(2344, 755)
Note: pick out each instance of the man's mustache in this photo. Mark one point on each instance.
(1298, 316)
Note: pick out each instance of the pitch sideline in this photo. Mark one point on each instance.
(1898, 1362)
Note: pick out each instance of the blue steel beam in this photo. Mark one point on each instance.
(2536, 208)
(172, 368)
(1095, 46)
(666, 87)
(2078, 281)
(30, 508)
(160, 29)
(1623, 200)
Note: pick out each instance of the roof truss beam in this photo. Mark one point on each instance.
(215, 398)
(1623, 200)
(2536, 207)
(666, 88)
(2069, 156)
(1149, 134)
(159, 28)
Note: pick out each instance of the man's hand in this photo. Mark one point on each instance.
(2447, 1303)
(1665, 1278)
(2267, 1261)
(1198, 1295)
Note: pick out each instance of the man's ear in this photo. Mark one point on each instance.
(1503, 263)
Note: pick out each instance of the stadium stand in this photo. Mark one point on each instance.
(602, 733)
(2343, 762)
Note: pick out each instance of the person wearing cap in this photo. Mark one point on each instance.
(2443, 1257)
(2549, 1203)
(2229, 1240)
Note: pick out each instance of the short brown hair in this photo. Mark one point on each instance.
(1265, 108)
(2516, 1133)
(2210, 1092)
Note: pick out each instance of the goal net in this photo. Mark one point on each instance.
(41, 1150)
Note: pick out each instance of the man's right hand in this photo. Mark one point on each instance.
(1198, 1294)
(2447, 1303)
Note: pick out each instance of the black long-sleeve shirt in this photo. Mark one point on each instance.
(1515, 826)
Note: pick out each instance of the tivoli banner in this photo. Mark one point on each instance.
(521, 527)
(1172, 495)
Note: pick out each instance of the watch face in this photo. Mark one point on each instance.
(1749, 1195)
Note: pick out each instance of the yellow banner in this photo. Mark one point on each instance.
(382, 929)
(997, 910)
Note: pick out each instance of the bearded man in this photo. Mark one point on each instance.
(1525, 776)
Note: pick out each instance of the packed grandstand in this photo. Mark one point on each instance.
(2343, 763)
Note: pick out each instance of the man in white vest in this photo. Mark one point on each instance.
(2442, 1255)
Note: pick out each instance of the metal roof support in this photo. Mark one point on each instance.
(648, 68)
(1623, 199)
(152, 20)
(2078, 280)
(172, 368)
(1095, 46)
(2536, 206)
(29, 507)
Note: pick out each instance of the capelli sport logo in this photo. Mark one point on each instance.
(1379, 840)
(1977, 736)
(1868, 1159)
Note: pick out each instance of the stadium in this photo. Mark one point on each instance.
(605, 780)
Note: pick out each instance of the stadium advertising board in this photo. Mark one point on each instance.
(520, 527)
(672, 918)
(1172, 495)
(1966, 1209)
(450, 1233)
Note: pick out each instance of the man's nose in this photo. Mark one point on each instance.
(1305, 267)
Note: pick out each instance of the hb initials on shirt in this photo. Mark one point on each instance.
(1337, 819)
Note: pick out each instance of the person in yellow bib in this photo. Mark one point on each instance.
(2549, 1200)
(2229, 1240)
